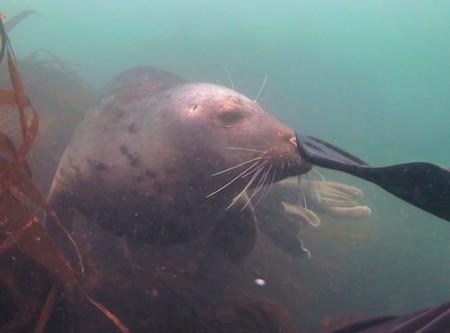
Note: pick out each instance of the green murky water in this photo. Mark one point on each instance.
(370, 76)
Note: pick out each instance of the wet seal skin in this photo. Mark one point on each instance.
(160, 160)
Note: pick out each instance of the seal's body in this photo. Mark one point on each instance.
(149, 158)
(158, 184)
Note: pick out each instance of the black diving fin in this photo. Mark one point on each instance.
(424, 185)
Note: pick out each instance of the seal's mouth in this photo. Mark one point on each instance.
(305, 166)
(256, 168)
(294, 141)
(292, 165)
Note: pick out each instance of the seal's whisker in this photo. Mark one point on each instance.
(246, 149)
(273, 177)
(317, 172)
(305, 202)
(299, 183)
(257, 188)
(267, 188)
(229, 77)
(233, 180)
(248, 173)
(264, 97)
(316, 192)
(318, 196)
(249, 200)
(262, 87)
(250, 182)
(266, 175)
(236, 166)
(272, 180)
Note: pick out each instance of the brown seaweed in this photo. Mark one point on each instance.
(23, 236)
(16, 19)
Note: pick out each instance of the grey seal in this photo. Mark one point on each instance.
(162, 181)
(161, 161)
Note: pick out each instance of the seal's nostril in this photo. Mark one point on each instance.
(293, 140)
(287, 136)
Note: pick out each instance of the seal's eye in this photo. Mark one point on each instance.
(230, 117)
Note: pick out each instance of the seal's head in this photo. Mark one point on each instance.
(163, 166)
(225, 135)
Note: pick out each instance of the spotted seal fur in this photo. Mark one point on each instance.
(160, 160)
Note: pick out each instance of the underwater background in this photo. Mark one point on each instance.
(372, 77)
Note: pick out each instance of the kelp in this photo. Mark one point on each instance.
(61, 97)
(26, 248)
(62, 84)
(16, 19)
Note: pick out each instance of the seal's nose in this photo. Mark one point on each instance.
(306, 166)
(293, 140)
(287, 136)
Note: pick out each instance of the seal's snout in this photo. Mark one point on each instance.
(293, 140)
(305, 166)
(286, 135)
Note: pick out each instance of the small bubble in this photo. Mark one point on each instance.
(260, 282)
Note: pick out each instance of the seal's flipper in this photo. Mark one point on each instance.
(432, 320)
(235, 234)
(424, 185)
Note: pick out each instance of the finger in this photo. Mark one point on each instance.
(343, 188)
(302, 214)
(358, 212)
